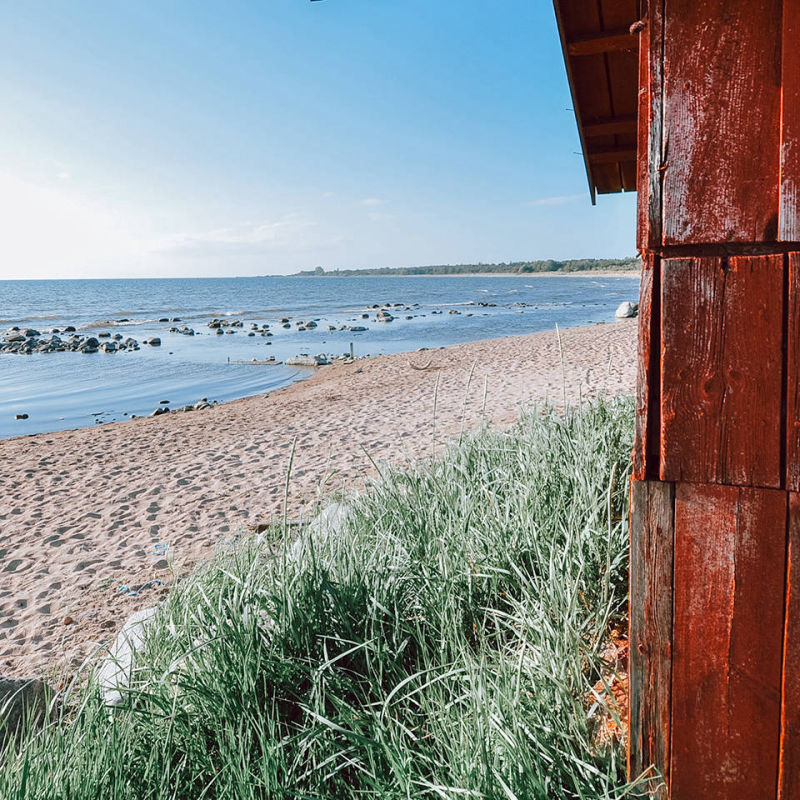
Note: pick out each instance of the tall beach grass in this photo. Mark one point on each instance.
(441, 642)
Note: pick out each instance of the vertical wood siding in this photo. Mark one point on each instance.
(646, 444)
(790, 124)
(652, 532)
(722, 74)
(789, 780)
(793, 375)
(650, 127)
(730, 549)
(721, 370)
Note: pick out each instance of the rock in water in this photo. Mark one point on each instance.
(307, 361)
(113, 673)
(21, 701)
(627, 309)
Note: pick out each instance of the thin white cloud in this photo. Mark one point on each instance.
(290, 234)
(558, 200)
(63, 175)
(372, 202)
(378, 216)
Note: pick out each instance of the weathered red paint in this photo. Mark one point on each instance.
(730, 554)
(789, 767)
(650, 660)
(646, 447)
(793, 374)
(789, 228)
(721, 370)
(717, 633)
(722, 87)
(650, 174)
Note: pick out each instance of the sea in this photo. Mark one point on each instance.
(66, 390)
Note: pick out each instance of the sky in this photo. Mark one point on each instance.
(251, 138)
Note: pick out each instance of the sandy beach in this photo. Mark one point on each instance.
(85, 512)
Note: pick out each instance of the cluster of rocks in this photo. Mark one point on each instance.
(198, 406)
(305, 326)
(262, 331)
(184, 331)
(27, 340)
(218, 324)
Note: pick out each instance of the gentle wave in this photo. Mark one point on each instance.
(30, 319)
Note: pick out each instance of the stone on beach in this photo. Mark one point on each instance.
(22, 701)
(626, 310)
(113, 674)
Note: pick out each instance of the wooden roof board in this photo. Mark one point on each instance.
(601, 57)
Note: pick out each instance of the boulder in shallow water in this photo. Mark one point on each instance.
(626, 310)
(307, 361)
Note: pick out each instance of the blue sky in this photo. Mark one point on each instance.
(246, 138)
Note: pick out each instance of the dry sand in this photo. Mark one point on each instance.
(86, 511)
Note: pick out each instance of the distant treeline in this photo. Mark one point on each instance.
(510, 268)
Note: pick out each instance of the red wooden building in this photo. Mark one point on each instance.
(696, 104)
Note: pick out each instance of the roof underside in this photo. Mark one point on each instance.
(601, 56)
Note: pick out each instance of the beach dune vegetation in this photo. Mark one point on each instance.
(442, 642)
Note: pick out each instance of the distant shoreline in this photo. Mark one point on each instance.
(577, 266)
(587, 273)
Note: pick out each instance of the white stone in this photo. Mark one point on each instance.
(113, 674)
(627, 309)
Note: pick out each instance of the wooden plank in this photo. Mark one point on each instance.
(721, 120)
(722, 370)
(612, 155)
(603, 42)
(650, 663)
(789, 226)
(793, 373)
(605, 127)
(646, 442)
(650, 175)
(789, 765)
(730, 557)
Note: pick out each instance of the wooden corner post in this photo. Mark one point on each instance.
(715, 520)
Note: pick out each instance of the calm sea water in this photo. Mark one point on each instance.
(70, 390)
